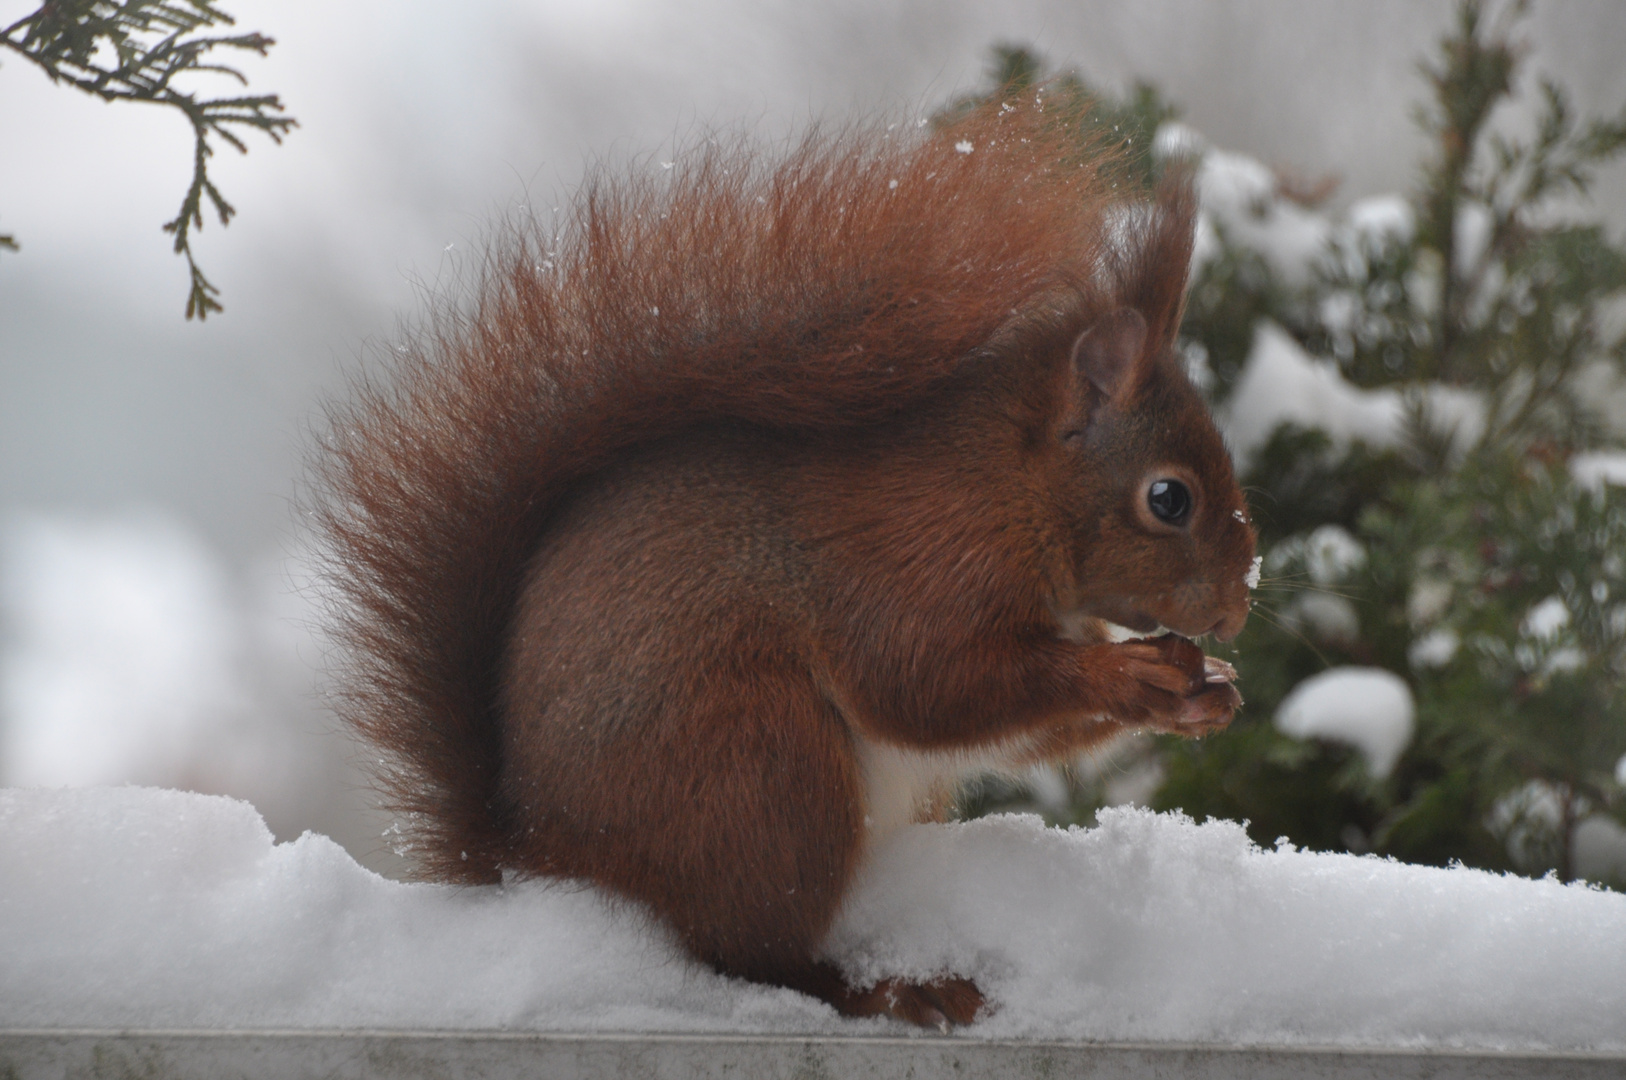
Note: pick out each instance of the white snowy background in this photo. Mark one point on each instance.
(155, 628)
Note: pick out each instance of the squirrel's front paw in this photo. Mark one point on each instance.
(1183, 691)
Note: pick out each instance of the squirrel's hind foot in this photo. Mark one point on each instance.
(943, 1004)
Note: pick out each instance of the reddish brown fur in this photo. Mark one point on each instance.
(758, 459)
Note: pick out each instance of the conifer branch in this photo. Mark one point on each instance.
(152, 44)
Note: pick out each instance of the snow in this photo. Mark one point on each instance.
(1542, 630)
(1174, 139)
(1241, 197)
(1331, 554)
(1429, 599)
(1474, 226)
(135, 907)
(1282, 383)
(1435, 649)
(1544, 620)
(145, 907)
(1380, 220)
(1596, 468)
(1238, 194)
(1370, 709)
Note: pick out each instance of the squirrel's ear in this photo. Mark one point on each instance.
(1108, 355)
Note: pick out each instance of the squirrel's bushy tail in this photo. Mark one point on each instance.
(824, 286)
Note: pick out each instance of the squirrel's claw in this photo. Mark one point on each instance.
(1216, 670)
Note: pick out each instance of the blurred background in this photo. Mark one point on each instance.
(156, 624)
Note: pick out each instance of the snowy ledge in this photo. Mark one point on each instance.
(144, 912)
(363, 1055)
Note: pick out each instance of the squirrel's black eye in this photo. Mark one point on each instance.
(1169, 501)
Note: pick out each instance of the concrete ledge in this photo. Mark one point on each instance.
(399, 1055)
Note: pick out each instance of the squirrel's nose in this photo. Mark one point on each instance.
(1230, 624)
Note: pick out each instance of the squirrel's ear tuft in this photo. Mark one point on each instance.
(1110, 353)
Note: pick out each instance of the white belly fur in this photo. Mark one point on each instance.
(903, 785)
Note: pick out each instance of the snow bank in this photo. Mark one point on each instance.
(140, 907)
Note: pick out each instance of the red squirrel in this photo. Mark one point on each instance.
(727, 525)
